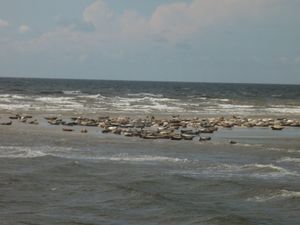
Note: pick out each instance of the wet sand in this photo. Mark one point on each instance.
(289, 137)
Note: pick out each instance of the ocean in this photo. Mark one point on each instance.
(138, 97)
(48, 176)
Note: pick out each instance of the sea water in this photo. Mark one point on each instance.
(51, 177)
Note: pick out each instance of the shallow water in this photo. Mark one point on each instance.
(47, 177)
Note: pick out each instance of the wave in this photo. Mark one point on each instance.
(55, 100)
(145, 95)
(75, 92)
(15, 106)
(235, 106)
(58, 103)
(5, 96)
(264, 168)
(144, 99)
(289, 150)
(284, 109)
(141, 158)
(20, 152)
(220, 99)
(79, 94)
(145, 104)
(251, 168)
(247, 170)
(97, 96)
(123, 158)
(142, 102)
(289, 159)
(275, 196)
(73, 153)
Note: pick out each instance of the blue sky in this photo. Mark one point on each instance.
(254, 41)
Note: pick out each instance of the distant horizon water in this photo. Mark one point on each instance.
(143, 80)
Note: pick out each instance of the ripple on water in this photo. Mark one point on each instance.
(277, 195)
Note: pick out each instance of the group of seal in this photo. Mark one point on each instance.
(174, 128)
(149, 127)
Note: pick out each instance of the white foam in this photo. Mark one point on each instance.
(72, 153)
(143, 99)
(284, 109)
(252, 170)
(276, 196)
(139, 102)
(284, 149)
(141, 158)
(289, 159)
(145, 104)
(265, 168)
(19, 152)
(75, 92)
(220, 99)
(232, 106)
(15, 106)
(13, 99)
(56, 100)
(12, 96)
(119, 158)
(30, 152)
(57, 104)
(144, 94)
(97, 96)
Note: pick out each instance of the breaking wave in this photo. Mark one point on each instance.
(145, 95)
(289, 159)
(75, 92)
(247, 170)
(71, 153)
(275, 196)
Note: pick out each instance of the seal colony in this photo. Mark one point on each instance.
(149, 127)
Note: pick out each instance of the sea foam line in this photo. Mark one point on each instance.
(279, 195)
(72, 153)
(289, 159)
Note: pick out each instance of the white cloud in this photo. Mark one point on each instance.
(179, 21)
(24, 29)
(100, 15)
(3, 23)
(172, 23)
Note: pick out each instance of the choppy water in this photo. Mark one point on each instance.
(88, 96)
(98, 179)
(51, 177)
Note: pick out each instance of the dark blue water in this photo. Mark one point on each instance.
(94, 96)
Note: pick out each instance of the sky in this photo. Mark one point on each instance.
(240, 41)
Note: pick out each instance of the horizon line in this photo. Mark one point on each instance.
(124, 80)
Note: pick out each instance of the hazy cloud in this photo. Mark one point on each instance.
(297, 60)
(196, 38)
(169, 23)
(173, 22)
(3, 23)
(100, 15)
(76, 25)
(24, 29)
